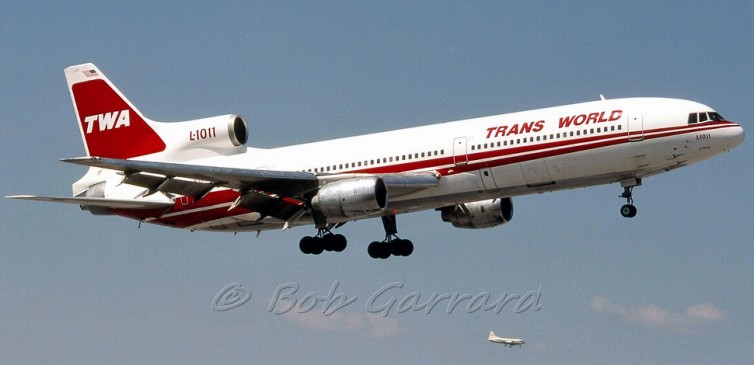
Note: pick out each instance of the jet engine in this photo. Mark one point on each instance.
(480, 214)
(351, 197)
(215, 133)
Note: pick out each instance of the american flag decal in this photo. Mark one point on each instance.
(90, 73)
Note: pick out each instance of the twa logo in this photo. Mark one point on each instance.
(107, 121)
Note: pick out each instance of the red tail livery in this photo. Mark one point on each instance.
(110, 126)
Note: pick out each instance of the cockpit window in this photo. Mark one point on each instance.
(704, 117)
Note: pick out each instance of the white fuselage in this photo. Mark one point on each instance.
(505, 155)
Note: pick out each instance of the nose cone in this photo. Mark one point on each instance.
(734, 136)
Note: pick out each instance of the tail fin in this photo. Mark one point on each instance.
(110, 125)
(491, 336)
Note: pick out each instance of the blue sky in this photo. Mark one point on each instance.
(673, 285)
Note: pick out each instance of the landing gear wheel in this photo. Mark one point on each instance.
(318, 245)
(395, 247)
(305, 245)
(379, 250)
(328, 242)
(372, 249)
(628, 211)
(405, 248)
(339, 242)
(322, 242)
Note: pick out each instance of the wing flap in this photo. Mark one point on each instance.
(175, 185)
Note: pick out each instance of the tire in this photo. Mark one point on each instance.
(628, 211)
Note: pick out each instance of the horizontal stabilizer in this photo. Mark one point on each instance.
(99, 202)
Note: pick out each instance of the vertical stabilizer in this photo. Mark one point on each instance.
(110, 125)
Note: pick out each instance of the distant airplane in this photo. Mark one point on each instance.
(200, 175)
(510, 342)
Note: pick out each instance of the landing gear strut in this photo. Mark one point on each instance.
(628, 210)
(392, 244)
(323, 241)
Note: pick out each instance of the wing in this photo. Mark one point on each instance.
(280, 194)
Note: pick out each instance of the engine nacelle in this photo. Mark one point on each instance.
(218, 133)
(481, 214)
(351, 198)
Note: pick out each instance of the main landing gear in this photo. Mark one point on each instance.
(323, 241)
(628, 210)
(392, 244)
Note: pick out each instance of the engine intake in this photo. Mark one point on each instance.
(480, 214)
(351, 197)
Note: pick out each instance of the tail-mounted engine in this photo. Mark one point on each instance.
(481, 214)
(351, 197)
(220, 133)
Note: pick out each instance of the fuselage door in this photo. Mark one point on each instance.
(460, 155)
(635, 127)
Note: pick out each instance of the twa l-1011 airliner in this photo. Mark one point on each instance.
(200, 175)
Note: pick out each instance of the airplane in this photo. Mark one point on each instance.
(510, 342)
(200, 174)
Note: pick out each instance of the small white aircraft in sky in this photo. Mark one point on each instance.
(200, 175)
(510, 342)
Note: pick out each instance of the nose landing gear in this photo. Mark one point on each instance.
(628, 210)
